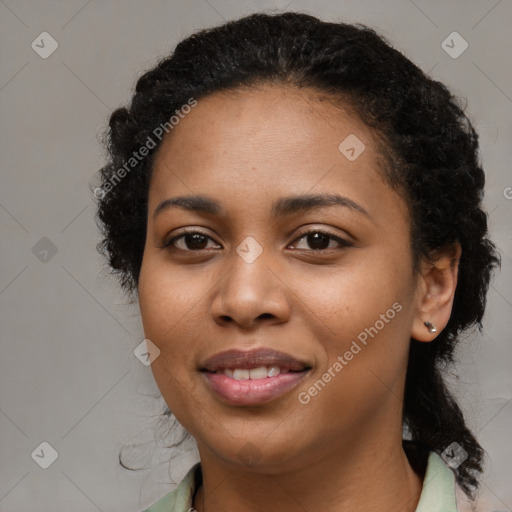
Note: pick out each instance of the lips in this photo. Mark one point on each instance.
(252, 377)
(248, 360)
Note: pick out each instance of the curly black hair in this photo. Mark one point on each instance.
(430, 150)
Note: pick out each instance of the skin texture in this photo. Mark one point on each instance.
(342, 450)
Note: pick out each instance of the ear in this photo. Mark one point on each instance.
(435, 291)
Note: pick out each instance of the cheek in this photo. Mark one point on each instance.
(362, 366)
(349, 300)
(170, 304)
(168, 299)
(362, 317)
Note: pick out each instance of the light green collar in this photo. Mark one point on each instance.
(437, 495)
(438, 492)
(180, 500)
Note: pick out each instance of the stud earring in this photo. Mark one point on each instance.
(431, 327)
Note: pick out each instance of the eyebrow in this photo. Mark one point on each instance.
(280, 208)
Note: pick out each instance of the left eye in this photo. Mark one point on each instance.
(319, 241)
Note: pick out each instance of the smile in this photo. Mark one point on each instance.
(252, 377)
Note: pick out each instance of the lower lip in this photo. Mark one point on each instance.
(252, 392)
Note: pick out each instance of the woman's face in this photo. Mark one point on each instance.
(339, 305)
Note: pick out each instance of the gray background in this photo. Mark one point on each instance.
(68, 375)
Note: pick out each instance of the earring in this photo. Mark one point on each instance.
(431, 327)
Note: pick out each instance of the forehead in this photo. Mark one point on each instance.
(253, 142)
(260, 123)
(247, 116)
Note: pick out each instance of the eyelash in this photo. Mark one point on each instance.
(343, 243)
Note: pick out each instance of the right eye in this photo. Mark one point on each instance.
(190, 241)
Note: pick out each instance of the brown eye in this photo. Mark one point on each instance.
(190, 241)
(320, 240)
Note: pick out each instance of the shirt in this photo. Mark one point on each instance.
(440, 492)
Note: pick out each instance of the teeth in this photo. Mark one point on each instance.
(258, 373)
(262, 372)
(273, 371)
(240, 374)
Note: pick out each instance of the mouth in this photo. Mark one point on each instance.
(252, 377)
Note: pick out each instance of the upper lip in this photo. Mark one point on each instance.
(247, 359)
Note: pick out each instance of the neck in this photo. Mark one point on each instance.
(358, 475)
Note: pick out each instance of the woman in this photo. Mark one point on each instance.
(297, 209)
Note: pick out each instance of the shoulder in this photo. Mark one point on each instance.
(181, 498)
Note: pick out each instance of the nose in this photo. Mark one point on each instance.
(250, 294)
